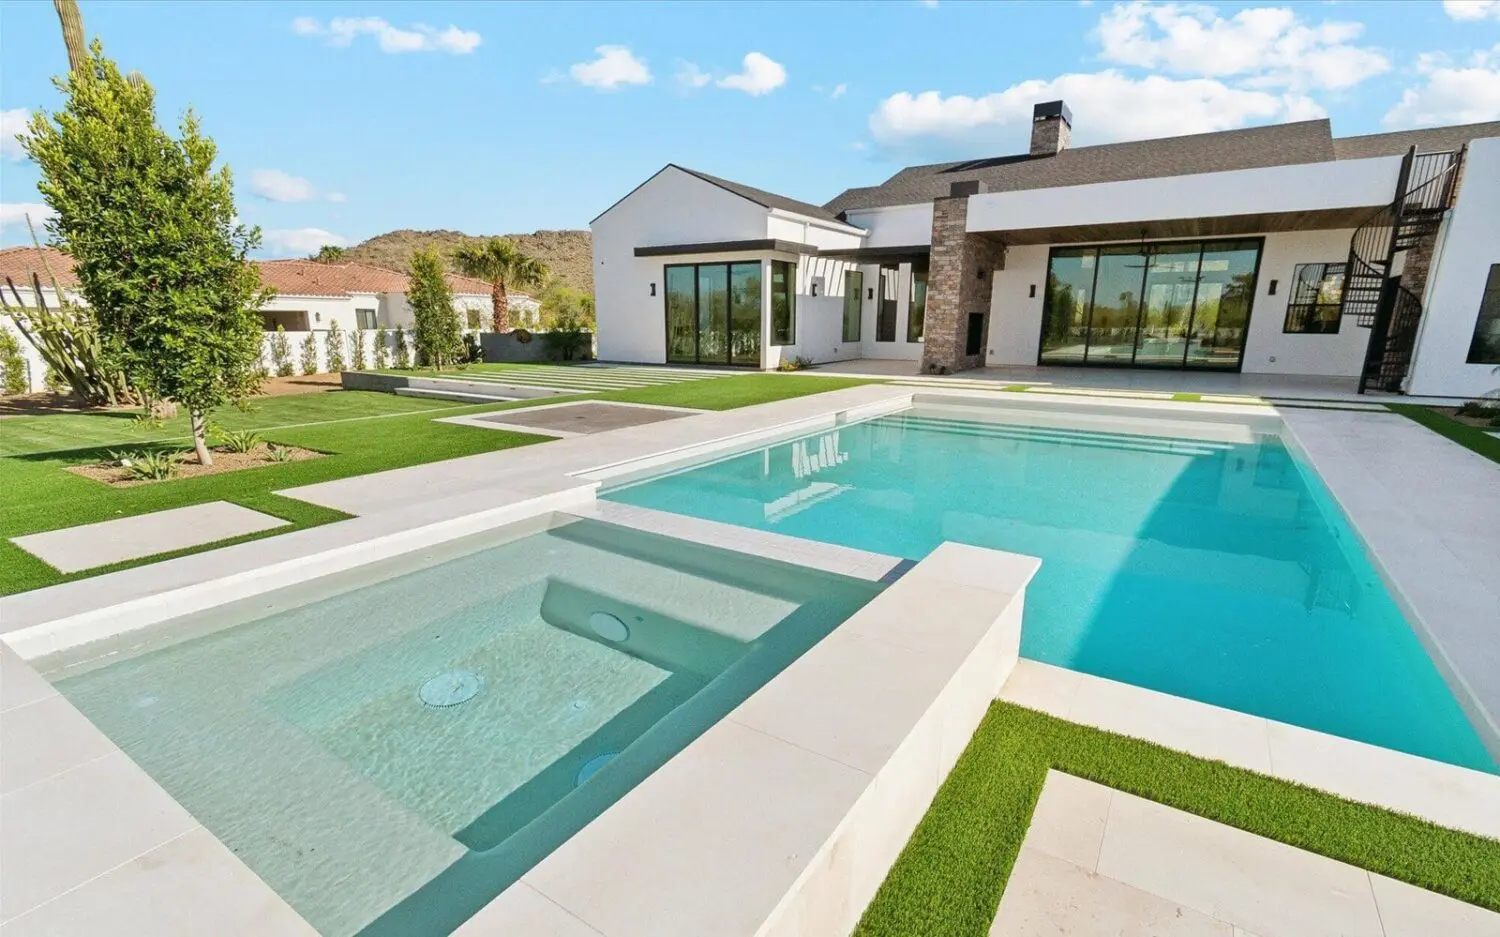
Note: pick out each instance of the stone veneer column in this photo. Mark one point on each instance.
(959, 279)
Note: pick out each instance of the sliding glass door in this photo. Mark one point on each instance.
(1175, 305)
(713, 313)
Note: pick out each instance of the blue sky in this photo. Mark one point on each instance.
(345, 120)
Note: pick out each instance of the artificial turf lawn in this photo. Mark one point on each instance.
(1469, 437)
(948, 880)
(360, 431)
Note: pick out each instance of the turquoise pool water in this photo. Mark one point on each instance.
(1216, 568)
(392, 747)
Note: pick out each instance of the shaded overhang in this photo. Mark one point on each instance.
(1162, 229)
(776, 245)
(871, 255)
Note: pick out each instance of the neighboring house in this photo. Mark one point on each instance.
(309, 296)
(1277, 249)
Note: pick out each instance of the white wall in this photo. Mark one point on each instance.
(820, 319)
(900, 349)
(1307, 187)
(1016, 315)
(895, 226)
(673, 207)
(322, 311)
(1470, 243)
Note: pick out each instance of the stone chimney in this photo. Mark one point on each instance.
(1051, 127)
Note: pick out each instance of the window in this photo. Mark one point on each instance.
(364, 318)
(917, 310)
(885, 304)
(854, 288)
(713, 313)
(783, 303)
(1312, 308)
(1485, 348)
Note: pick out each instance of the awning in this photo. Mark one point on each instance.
(727, 247)
(870, 255)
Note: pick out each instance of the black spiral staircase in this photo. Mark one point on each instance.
(1376, 298)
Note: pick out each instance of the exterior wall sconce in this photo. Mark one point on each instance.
(814, 289)
(1033, 291)
(1272, 290)
(653, 289)
(870, 293)
(317, 317)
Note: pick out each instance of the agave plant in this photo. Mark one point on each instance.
(239, 440)
(151, 464)
(279, 453)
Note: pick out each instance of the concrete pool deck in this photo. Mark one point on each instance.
(1382, 471)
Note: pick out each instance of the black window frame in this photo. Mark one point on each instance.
(666, 299)
(374, 318)
(789, 288)
(854, 289)
(1489, 313)
(911, 304)
(1306, 307)
(880, 279)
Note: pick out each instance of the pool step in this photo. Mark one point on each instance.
(1083, 438)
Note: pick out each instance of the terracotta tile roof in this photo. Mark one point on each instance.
(469, 285)
(18, 263)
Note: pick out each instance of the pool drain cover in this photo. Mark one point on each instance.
(592, 766)
(450, 689)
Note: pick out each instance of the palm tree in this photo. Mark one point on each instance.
(501, 263)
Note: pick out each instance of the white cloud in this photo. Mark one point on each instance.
(1262, 46)
(300, 240)
(760, 76)
(13, 124)
(276, 186)
(342, 31)
(615, 66)
(838, 91)
(1451, 93)
(930, 4)
(1472, 9)
(14, 213)
(689, 75)
(1106, 106)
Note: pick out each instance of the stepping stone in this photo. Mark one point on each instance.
(130, 538)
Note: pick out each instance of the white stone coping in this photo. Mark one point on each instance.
(784, 818)
(74, 549)
(488, 421)
(1445, 794)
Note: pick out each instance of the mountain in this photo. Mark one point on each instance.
(568, 253)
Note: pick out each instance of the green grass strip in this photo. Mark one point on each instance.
(948, 880)
(1470, 437)
(1188, 398)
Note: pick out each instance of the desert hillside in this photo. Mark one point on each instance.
(568, 253)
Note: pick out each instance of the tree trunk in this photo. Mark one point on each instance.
(200, 438)
(499, 307)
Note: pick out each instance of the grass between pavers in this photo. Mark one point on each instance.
(1470, 437)
(948, 880)
(360, 431)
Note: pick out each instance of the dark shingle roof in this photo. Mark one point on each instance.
(1430, 140)
(1309, 141)
(762, 197)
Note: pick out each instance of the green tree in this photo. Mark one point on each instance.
(12, 365)
(281, 353)
(504, 265)
(402, 356)
(327, 254)
(357, 347)
(152, 229)
(334, 347)
(382, 353)
(438, 334)
(310, 354)
(565, 304)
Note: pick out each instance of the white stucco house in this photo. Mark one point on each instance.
(1279, 249)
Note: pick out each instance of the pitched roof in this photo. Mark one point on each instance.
(19, 263)
(1309, 141)
(762, 197)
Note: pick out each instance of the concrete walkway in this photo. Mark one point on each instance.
(1098, 861)
(86, 546)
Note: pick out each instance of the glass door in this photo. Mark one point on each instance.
(744, 314)
(1167, 304)
(1221, 315)
(682, 315)
(1115, 325)
(713, 313)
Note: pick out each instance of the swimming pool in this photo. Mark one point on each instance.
(391, 747)
(1203, 560)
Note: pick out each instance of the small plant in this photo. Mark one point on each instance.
(12, 365)
(382, 351)
(239, 440)
(402, 360)
(310, 354)
(281, 353)
(335, 347)
(795, 363)
(147, 420)
(473, 352)
(151, 464)
(357, 347)
(279, 453)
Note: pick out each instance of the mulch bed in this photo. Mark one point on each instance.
(187, 466)
(1478, 422)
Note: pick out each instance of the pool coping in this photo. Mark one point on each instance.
(515, 490)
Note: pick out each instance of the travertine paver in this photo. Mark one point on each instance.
(583, 417)
(1161, 871)
(131, 538)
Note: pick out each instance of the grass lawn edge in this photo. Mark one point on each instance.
(1472, 438)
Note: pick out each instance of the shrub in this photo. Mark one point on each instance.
(281, 353)
(567, 339)
(795, 363)
(310, 354)
(382, 353)
(55, 382)
(335, 350)
(151, 464)
(402, 360)
(357, 347)
(279, 453)
(12, 365)
(240, 440)
(473, 351)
